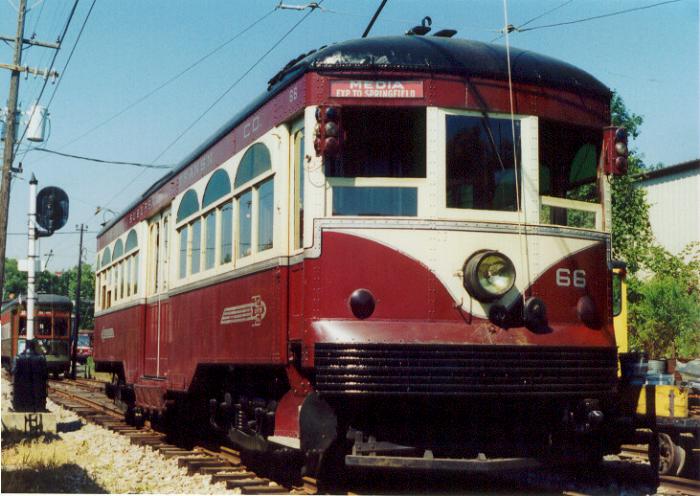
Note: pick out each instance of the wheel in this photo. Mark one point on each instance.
(671, 456)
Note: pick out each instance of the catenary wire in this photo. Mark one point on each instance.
(611, 14)
(70, 55)
(102, 161)
(539, 16)
(235, 83)
(63, 72)
(217, 100)
(46, 79)
(167, 82)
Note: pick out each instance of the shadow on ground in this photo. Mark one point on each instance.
(68, 478)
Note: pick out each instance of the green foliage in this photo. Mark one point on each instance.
(664, 311)
(665, 318)
(61, 284)
(631, 231)
(622, 117)
(15, 281)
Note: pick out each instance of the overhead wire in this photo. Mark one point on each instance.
(233, 85)
(65, 67)
(46, 79)
(509, 28)
(70, 55)
(102, 161)
(167, 82)
(611, 14)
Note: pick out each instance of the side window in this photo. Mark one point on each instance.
(217, 190)
(189, 234)
(226, 243)
(255, 199)
(183, 234)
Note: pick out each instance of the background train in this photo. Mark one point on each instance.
(398, 255)
(51, 328)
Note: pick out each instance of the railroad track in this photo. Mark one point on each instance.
(222, 464)
(667, 483)
(86, 398)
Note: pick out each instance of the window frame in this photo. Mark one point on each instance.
(253, 186)
(528, 190)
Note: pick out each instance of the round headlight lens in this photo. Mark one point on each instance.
(488, 275)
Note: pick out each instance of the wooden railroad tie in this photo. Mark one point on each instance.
(175, 452)
(194, 466)
(231, 475)
(264, 489)
(233, 484)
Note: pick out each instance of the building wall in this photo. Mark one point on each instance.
(674, 198)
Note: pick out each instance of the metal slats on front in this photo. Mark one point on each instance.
(458, 370)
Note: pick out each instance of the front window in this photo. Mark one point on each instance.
(481, 162)
(568, 166)
(381, 142)
(43, 326)
(60, 327)
(386, 146)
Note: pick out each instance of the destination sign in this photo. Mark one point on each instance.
(376, 89)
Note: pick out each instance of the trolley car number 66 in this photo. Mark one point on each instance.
(566, 277)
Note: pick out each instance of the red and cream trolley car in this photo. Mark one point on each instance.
(399, 252)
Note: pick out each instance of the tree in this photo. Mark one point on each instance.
(15, 281)
(631, 231)
(664, 309)
(50, 283)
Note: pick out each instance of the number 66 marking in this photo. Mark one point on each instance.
(565, 277)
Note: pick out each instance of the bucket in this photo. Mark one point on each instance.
(656, 367)
(633, 365)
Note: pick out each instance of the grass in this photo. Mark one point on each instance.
(42, 465)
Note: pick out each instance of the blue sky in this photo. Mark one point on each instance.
(128, 48)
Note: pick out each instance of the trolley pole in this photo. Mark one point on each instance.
(10, 131)
(76, 320)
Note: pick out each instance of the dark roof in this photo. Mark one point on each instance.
(42, 299)
(668, 171)
(446, 56)
(405, 53)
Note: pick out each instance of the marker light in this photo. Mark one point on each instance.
(616, 150)
(488, 275)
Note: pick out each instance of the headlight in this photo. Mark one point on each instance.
(488, 275)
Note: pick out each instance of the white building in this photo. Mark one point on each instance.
(673, 194)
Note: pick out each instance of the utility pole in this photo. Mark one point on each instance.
(76, 320)
(11, 127)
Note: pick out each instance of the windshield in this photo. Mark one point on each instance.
(480, 162)
(568, 166)
(83, 340)
(383, 143)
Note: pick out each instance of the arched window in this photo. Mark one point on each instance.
(131, 241)
(118, 249)
(219, 185)
(106, 257)
(254, 162)
(188, 205)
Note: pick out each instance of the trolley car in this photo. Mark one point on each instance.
(398, 255)
(51, 329)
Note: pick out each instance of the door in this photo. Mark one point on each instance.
(157, 304)
(296, 243)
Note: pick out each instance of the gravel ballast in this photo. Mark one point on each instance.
(95, 459)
